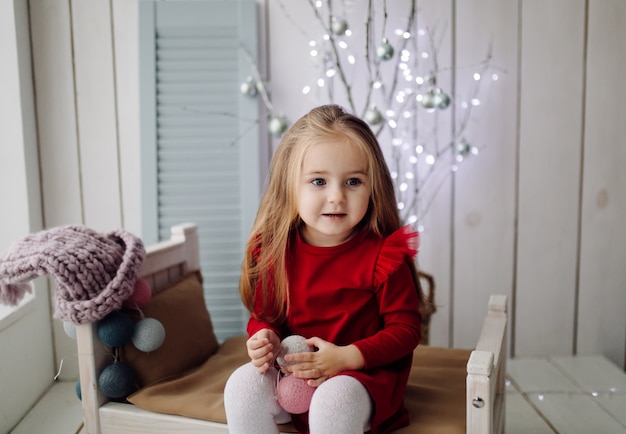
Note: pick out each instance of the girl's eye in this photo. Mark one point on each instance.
(353, 181)
(318, 181)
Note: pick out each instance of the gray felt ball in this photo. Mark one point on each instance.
(291, 345)
(149, 335)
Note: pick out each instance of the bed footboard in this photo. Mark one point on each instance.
(486, 372)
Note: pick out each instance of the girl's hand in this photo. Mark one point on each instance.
(328, 360)
(261, 348)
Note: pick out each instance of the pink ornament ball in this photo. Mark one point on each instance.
(294, 394)
(141, 296)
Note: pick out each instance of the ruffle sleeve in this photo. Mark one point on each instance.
(394, 251)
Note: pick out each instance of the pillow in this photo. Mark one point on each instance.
(189, 337)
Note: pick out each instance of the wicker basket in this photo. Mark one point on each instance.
(427, 303)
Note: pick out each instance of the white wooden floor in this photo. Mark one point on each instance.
(583, 394)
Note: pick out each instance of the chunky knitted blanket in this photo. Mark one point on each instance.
(94, 272)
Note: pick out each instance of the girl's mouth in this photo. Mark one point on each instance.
(334, 215)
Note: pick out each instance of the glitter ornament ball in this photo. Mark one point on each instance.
(373, 116)
(463, 148)
(117, 380)
(441, 100)
(291, 345)
(339, 26)
(141, 296)
(294, 394)
(248, 88)
(116, 329)
(277, 126)
(149, 335)
(428, 99)
(384, 50)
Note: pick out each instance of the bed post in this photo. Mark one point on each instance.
(486, 372)
(92, 357)
(187, 233)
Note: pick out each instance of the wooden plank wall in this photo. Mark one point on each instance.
(536, 216)
(85, 72)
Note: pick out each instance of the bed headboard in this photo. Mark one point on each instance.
(164, 263)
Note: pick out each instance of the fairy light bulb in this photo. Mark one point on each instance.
(430, 160)
(306, 90)
(404, 186)
(320, 82)
(351, 59)
(476, 76)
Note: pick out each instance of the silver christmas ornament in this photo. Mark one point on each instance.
(428, 99)
(441, 100)
(463, 148)
(277, 125)
(248, 87)
(339, 26)
(373, 116)
(384, 50)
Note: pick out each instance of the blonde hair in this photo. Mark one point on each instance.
(265, 256)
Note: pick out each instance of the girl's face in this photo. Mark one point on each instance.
(333, 192)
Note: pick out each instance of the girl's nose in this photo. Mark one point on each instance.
(336, 195)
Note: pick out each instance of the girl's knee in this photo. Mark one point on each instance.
(248, 380)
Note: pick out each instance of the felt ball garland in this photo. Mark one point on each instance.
(118, 380)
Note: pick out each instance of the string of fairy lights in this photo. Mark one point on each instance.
(391, 78)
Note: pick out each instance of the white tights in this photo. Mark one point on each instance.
(341, 404)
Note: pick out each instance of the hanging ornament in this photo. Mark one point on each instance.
(116, 329)
(339, 26)
(149, 335)
(428, 99)
(248, 87)
(70, 329)
(277, 125)
(463, 148)
(441, 100)
(384, 50)
(117, 380)
(373, 116)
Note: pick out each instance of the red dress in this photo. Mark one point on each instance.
(360, 292)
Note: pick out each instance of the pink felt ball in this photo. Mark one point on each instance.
(140, 297)
(294, 395)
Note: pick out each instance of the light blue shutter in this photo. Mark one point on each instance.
(199, 153)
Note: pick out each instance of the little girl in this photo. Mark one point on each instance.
(327, 259)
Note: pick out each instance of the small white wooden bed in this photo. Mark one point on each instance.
(444, 382)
